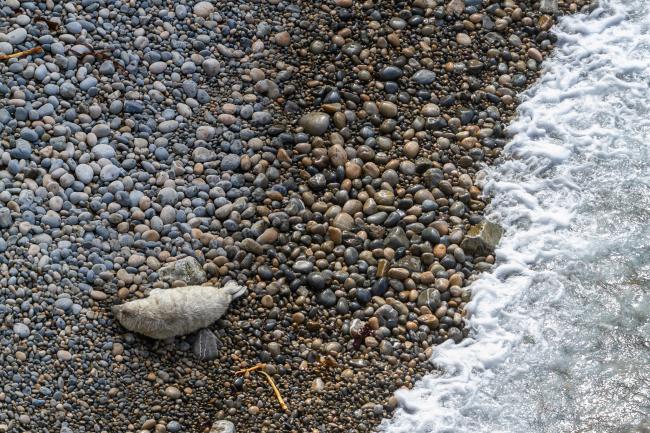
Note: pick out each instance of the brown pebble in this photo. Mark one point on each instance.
(283, 39)
(439, 251)
(267, 301)
(534, 54)
(98, 295)
(411, 149)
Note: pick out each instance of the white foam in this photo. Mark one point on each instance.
(577, 156)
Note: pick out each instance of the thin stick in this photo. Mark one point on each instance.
(283, 405)
(248, 370)
(269, 379)
(21, 53)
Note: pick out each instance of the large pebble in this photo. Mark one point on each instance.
(223, 426)
(315, 123)
(84, 173)
(21, 330)
(17, 36)
(187, 269)
(203, 9)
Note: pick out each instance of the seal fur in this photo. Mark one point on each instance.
(169, 313)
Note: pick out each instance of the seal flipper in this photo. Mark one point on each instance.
(234, 289)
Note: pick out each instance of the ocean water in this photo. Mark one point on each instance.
(561, 327)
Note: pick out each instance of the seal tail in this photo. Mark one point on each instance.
(234, 289)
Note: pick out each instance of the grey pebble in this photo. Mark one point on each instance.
(17, 36)
(21, 330)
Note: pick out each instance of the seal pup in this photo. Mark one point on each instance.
(169, 313)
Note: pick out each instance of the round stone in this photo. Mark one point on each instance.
(64, 304)
(84, 173)
(211, 67)
(172, 392)
(230, 162)
(315, 123)
(167, 196)
(109, 173)
(203, 9)
(157, 67)
(63, 355)
(103, 151)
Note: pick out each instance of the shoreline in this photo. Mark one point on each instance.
(322, 155)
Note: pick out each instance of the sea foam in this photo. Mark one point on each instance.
(557, 329)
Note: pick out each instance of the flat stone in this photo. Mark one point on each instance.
(133, 107)
(64, 304)
(101, 130)
(103, 151)
(98, 295)
(187, 269)
(390, 73)
(157, 67)
(424, 76)
(230, 162)
(412, 263)
(6, 220)
(21, 330)
(205, 133)
(167, 196)
(109, 173)
(17, 36)
(202, 154)
(173, 393)
(167, 126)
(482, 239)
(326, 298)
(463, 39)
(223, 426)
(455, 7)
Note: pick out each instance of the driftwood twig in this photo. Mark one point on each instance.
(276, 391)
(21, 53)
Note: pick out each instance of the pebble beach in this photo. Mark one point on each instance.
(326, 155)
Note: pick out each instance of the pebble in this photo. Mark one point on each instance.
(16, 37)
(211, 67)
(172, 392)
(222, 426)
(84, 173)
(203, 9)
(63, 355)
(21, 330)
(315, 123)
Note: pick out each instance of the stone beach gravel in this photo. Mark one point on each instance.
(327, 155)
